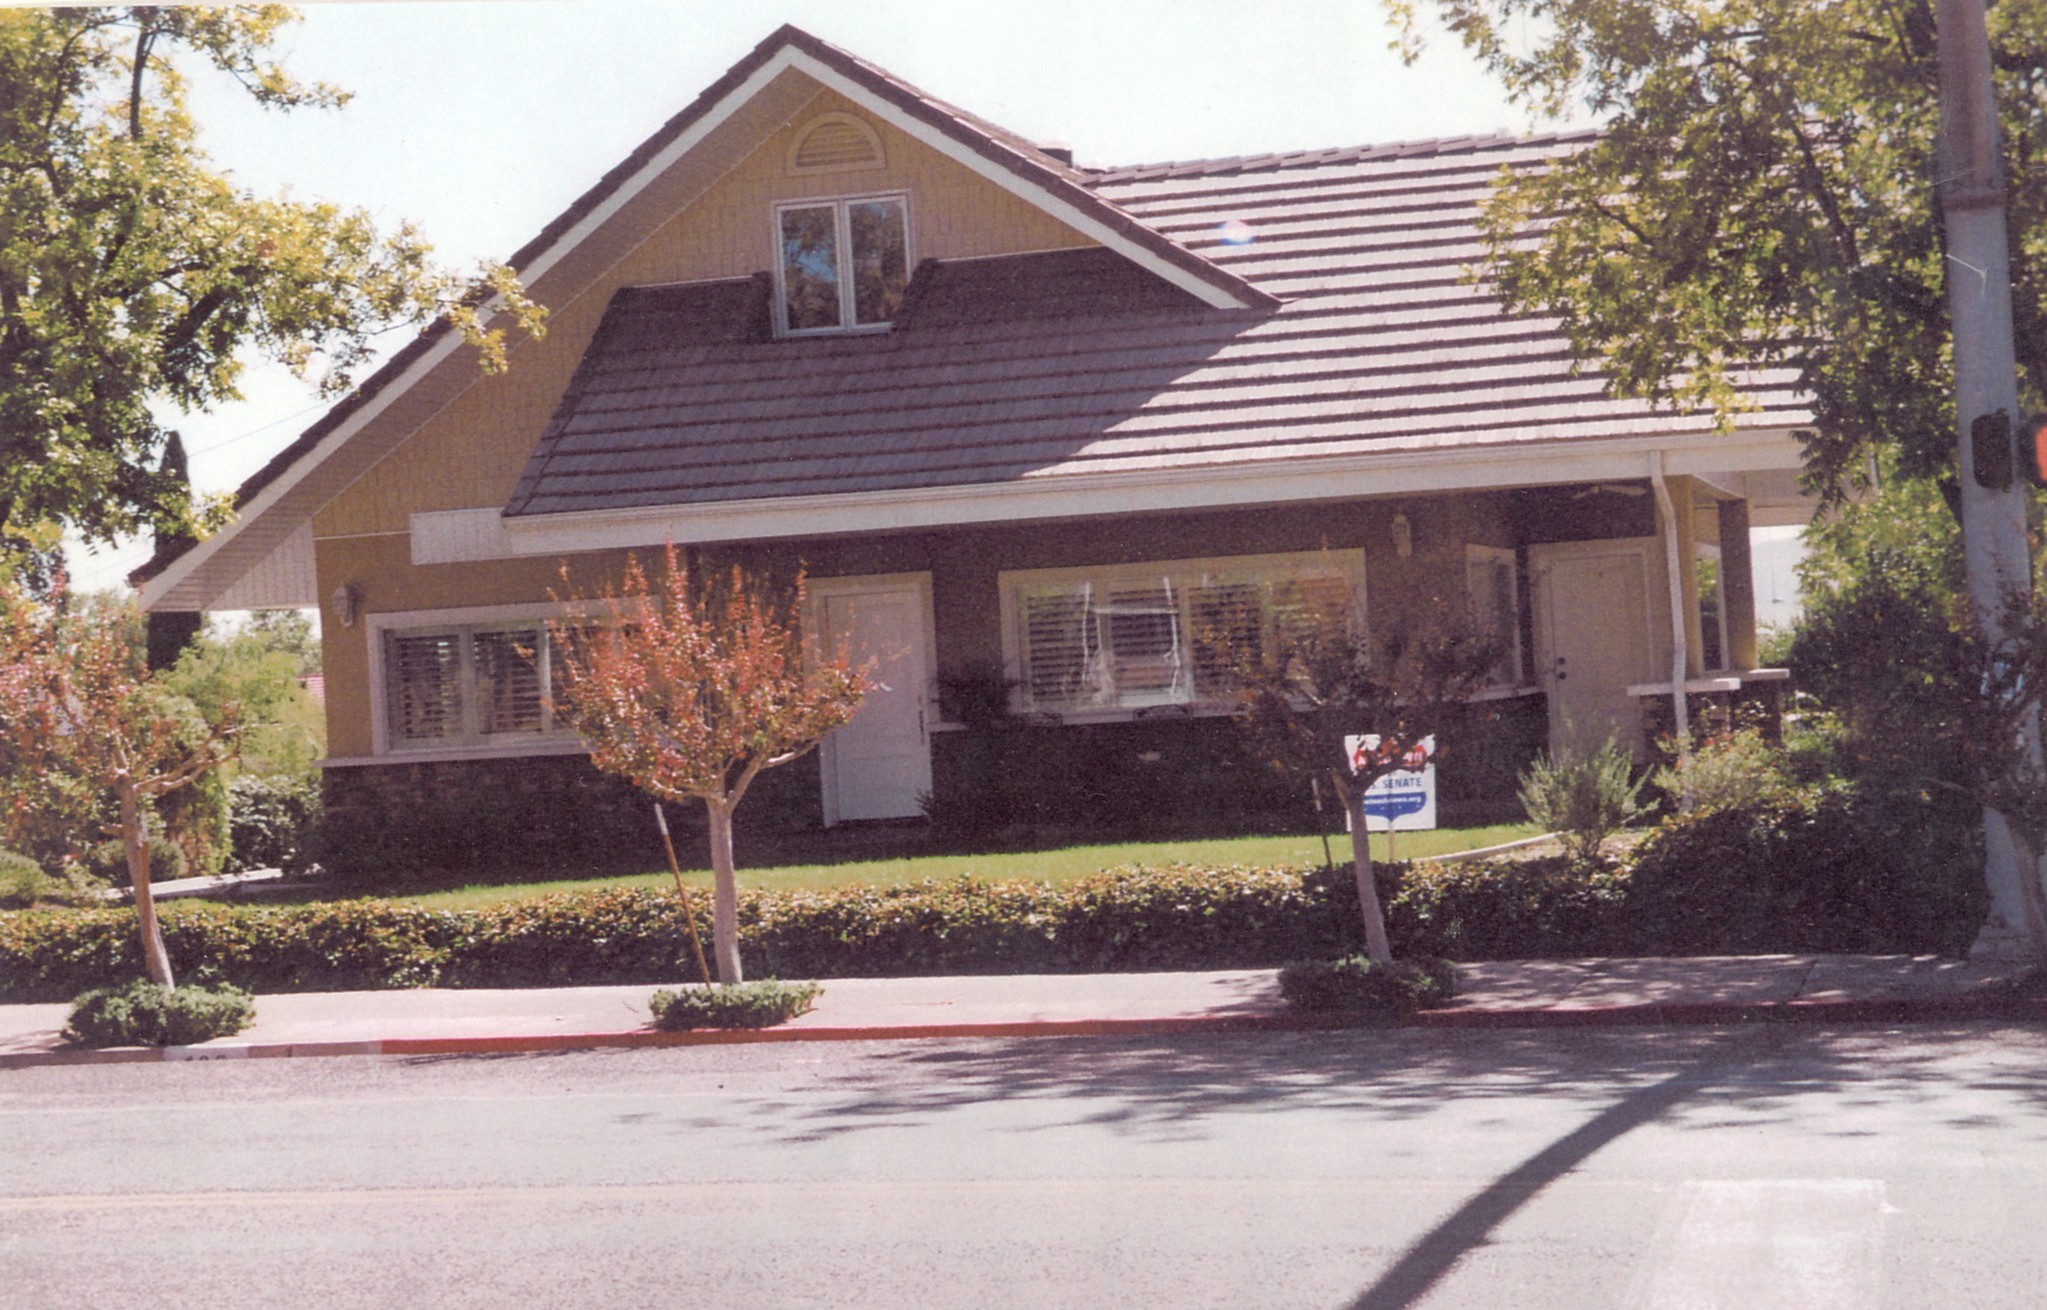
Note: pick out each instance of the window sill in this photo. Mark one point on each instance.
(454, 754)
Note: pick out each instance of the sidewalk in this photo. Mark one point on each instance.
(1521, 994)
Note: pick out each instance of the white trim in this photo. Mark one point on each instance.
(1277, 566)
(1030, 192)
(1083, 495)
(558, 746)
(458, 536)
(816, 592)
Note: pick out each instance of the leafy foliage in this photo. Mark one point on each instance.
(1356, 984)
(269, 816)
(149, 1014)
(1761, 193)
(748, 1005)
(133, 274)
(81, 719)
(1584, 797)
(1733, 768)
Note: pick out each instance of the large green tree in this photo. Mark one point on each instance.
(137, 278)
(1762, 193)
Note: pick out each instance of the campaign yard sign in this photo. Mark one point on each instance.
(1405, 799)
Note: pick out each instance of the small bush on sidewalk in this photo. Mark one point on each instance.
(1356, 985)
(146, 1014)
(746, 1005)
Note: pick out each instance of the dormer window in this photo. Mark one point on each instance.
(844, 263)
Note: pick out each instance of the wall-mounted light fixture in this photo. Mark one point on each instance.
(346, 603)
(1403, 536)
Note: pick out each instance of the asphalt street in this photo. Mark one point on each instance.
(1771, 1166)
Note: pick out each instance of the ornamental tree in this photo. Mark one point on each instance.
(82, 719)
(136, 277)
(696, 687)
(1317, 681)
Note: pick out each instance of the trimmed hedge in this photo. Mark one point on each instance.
(1820, 870)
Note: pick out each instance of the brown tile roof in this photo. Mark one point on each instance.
(1046, 365)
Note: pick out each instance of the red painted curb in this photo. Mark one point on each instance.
(1655, 1014)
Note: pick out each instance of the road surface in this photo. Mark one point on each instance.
(1779, 1166)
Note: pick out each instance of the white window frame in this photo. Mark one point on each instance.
(1185, 575)
(552, 739)
(1496, 556)
(843, 227)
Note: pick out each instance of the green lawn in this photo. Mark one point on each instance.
(1045, 866)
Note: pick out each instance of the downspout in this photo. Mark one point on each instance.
(1673, 560)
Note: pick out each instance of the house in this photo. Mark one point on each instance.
(1027, 426)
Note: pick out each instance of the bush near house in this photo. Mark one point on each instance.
(1828, 868)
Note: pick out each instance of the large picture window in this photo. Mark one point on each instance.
(844, 263)
(1131, 637)
(469, 685)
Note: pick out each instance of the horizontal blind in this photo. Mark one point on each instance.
(423, 675)
(509, 697)
(1059, 646)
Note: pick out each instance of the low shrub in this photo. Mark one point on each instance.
(146, 1014)
(1742, 767)
(22, 881)
(1357, 985)
(268, 815)
(1838, 867)
(1584, 798)
(747, 1005)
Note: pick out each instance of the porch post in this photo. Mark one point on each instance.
(1674, 566)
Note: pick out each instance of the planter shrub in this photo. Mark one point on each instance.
(1357, 985)
(746, 1005)
(144, 1013)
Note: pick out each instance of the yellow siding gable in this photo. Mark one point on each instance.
(470, 455)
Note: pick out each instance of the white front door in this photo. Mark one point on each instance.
(877, 766)
(1592, 640)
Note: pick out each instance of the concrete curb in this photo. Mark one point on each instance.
(1650, 1015)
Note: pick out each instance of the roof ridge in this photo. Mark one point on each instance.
(1428, 146)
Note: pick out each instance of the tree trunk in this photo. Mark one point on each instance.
(135, 842)
(1376, 945)
(724, 894)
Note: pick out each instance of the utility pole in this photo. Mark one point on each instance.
(1994, 546)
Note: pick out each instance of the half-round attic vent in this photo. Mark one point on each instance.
(835, 143)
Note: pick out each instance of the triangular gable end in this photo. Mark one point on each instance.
(278, 502)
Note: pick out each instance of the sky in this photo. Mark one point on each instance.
(479, 120)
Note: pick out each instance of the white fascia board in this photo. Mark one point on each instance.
(182, 568)
(1108, 494)
(1030, 192)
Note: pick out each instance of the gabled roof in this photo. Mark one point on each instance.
(666, 169)
(1381, 346)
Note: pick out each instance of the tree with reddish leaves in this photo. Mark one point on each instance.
(1316, 681)
(696, 687)
(82, 718)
